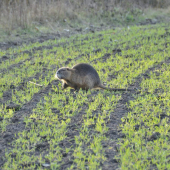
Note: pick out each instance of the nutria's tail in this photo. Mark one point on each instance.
(112, 89)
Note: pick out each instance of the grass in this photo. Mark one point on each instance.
(62, 126)
(25, 20)
(147, 131)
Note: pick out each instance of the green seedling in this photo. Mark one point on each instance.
(120, 58)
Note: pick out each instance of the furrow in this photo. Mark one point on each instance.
(114, 134)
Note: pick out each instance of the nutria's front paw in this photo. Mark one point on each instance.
(64, 86)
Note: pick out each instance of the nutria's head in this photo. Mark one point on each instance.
(63, 73)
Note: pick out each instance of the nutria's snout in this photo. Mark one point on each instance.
(62, 73)
(58, 74)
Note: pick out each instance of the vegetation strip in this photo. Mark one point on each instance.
(38, 128)
(113, 145)
(146, 127)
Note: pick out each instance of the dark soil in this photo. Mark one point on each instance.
(48, 36)
(52, 36)
(113, 134)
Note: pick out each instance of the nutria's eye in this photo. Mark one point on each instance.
(67, 68)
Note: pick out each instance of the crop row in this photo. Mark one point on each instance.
(40, 143)
(147, 124)
(35, 64)
(75, 42)
(44, 120)
(124, 77)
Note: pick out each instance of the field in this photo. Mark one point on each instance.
(45, 127)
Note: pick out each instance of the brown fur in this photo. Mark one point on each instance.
(81, 76)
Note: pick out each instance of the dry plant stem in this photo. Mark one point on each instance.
(17, 13)
(112, 89)
(36, 84)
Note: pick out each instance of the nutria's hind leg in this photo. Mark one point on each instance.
(76, 88)
(64, 86)
(89, 82)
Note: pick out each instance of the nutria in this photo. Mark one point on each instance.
(81, 76)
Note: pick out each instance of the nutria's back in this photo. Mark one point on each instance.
(87, 75)
(84, 69)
